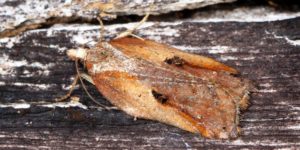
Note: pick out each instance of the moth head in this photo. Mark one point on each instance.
(75, 54)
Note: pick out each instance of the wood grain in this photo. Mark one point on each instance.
(18, 15)
(35, 70)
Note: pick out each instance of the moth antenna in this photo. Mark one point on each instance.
(86, 91)
(101, 28)
(70, 91)
(136, 36)
(129, 31)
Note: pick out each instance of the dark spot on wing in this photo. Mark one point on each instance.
(160, 97)
(177, 61)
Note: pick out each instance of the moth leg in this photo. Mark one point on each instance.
(129, 31)
(75, 55)
(87, 78)
(63, 98)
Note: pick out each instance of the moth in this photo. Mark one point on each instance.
(150, 80)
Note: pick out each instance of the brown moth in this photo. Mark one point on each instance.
(154, 81)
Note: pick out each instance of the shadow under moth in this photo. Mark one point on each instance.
(154, 81)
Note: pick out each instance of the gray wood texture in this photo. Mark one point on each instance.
(21, 15)
(34, 70)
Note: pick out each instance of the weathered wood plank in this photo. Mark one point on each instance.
(35, 70)
(19, 15)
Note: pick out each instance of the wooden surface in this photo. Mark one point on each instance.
(34, 70)
(19, 15)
